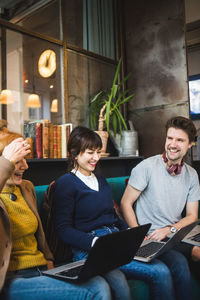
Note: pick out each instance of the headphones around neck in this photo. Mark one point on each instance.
(173, 169)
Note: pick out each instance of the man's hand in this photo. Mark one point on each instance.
(159, 234)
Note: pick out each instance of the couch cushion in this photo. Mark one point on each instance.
(40, 192)
(117, 185)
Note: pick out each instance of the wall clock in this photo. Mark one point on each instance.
(47, 63)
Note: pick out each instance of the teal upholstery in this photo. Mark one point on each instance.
(139, 289)
(40, 191)
(117, 185)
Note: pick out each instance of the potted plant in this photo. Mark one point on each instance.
(105, 110)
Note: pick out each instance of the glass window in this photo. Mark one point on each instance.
(24, 77)
(74, 22)
(90, 25)
(98, 27)
(83, 85)
(45, 20)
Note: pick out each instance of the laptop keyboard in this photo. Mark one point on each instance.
(149, 249)
(196, 237)
(74, 272)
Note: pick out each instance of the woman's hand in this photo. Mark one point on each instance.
(16, 150)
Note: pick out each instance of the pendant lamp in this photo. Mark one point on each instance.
(54, 105)
(33, 101)
(6, 97)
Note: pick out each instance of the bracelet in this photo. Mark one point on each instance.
(10, 160)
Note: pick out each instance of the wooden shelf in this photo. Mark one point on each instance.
(43, 171)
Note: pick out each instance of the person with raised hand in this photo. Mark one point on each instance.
(24, 252)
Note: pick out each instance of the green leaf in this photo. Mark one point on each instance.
(108, 116)
(121, 118)
(114, 99)
(114, 90)
(119, 123)
(124, 79)
(117, 72)
(121, 95)
(126, 99)
(114, 123)
(96, 97)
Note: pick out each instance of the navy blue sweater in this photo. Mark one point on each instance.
(78, 209)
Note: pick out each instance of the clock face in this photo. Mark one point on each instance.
(47, 63)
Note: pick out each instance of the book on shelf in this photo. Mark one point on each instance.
(66, 129)
(55, 144)
(38, 139)
(49, 140)
(26, 129)
(30, 142)
(45, 139)
(58, 141)
(31, 134)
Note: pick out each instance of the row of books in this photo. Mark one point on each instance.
(47, 139)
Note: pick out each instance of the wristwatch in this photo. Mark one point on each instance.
(172, 228)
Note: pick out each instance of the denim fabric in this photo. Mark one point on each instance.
(46, 288)
(168, 277)
(26, 273)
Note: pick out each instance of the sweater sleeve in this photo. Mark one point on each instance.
(121, 224)
(6, 170)
(64, 210)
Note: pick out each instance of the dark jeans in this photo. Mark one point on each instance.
(186, 250)
(25, 273)
(168, 276)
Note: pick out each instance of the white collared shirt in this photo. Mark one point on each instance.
(91, 180)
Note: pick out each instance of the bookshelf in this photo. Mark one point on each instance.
(43, 171)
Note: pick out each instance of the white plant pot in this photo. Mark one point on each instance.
(128, 144)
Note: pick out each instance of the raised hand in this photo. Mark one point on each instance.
(16, 150)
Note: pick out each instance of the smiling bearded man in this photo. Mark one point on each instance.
(164, 185)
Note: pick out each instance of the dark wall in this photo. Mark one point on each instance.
(156, 58)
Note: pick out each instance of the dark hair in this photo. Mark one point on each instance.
(81, 138)
(184, 124)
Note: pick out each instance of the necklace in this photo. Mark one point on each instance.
(12, 195)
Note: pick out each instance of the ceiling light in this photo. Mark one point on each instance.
(54, 105)
(33, 101)
(6, 97)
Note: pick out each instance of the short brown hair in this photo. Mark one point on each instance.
(81, 138)
(184, 124)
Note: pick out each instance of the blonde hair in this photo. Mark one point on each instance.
(6, 136)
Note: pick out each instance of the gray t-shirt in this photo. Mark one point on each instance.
(163, 196)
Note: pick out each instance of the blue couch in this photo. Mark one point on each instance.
(139, 289)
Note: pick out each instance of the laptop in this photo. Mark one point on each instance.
(109, 252)
(193, 237)
(150, 249)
